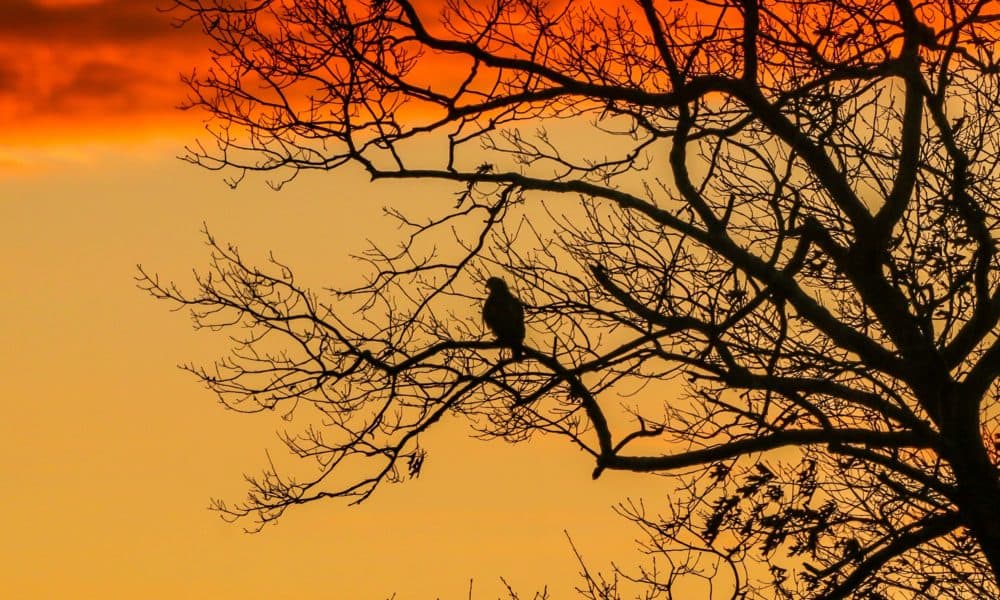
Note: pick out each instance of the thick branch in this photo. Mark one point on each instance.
(763, 443)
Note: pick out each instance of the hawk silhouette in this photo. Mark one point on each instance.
(504, 314)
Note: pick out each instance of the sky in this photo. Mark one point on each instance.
(109, 453)
(76, 70)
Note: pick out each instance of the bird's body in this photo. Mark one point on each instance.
(504, 314)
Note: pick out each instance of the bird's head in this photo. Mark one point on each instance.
(495, 284)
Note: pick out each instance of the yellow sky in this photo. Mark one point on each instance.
(109, 453)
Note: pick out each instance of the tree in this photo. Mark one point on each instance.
(792, 211)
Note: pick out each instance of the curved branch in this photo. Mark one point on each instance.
(781, 439)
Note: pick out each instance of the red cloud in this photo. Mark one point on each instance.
(121, 20)
(91, 67)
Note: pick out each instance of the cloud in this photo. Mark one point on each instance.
(10, 76)
(120, 21)
(96, 65)
(110, 84)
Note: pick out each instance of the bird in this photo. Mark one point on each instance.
(504, 314)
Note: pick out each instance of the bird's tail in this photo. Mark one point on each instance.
(517, 353)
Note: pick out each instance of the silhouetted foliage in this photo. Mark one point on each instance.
(787, 209)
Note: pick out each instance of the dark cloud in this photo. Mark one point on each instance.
(11, 78)
(98, 78)
(122, 21)
(67, 65)
(113, 85)
(87, 89)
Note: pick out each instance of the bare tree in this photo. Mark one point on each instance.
(787, 207)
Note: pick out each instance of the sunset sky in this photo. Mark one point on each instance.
(109, 454)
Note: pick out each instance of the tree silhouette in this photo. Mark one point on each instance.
(787, 209)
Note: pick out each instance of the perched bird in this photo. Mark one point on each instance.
(504, 314)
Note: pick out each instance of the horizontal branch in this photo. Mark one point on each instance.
(763, 443)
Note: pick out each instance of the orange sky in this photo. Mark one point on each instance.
(109, 454)
(76, 69)
(80, 70)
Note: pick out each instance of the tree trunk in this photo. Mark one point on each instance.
(978, 494)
